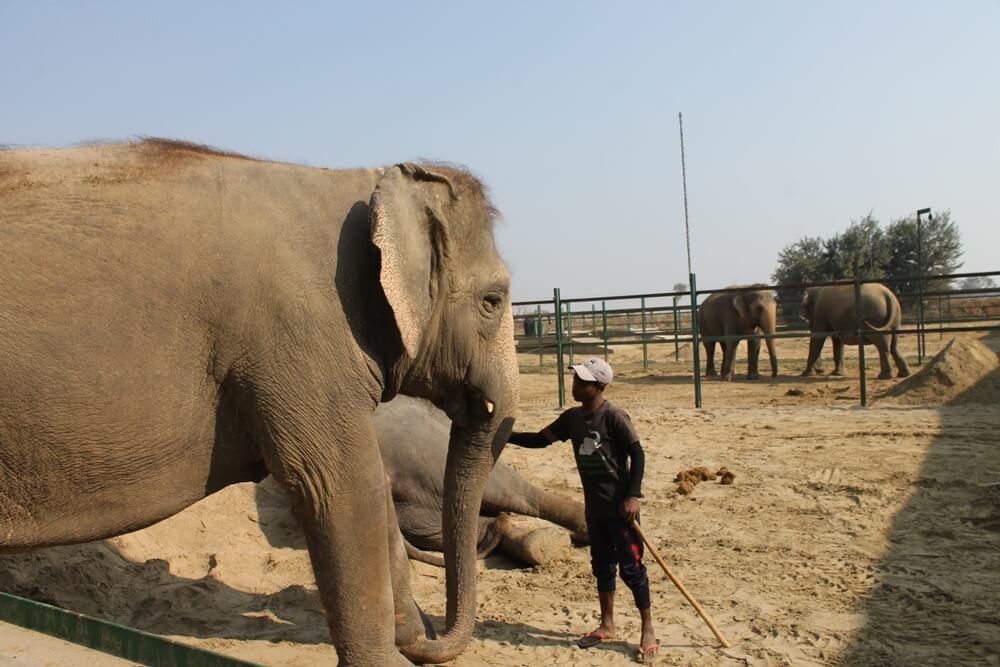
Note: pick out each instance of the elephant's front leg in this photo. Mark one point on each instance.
(411, 624)
(838, 356)
(753, 359)
(333, 473)
(728, 357)
(709, 358)
(815, 348)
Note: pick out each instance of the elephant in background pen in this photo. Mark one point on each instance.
(177, 319)
(739, 311)
(413, 436)
(832, 309)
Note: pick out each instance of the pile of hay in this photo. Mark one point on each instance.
(966, 370)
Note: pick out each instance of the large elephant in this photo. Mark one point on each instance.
(413, 438)
(832, 309)
(174, 320)
(739, 311)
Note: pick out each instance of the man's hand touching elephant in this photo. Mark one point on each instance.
(630, 509)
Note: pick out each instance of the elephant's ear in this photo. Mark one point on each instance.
(740, 304)
(409, 232)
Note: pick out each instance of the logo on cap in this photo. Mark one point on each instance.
(594, 370)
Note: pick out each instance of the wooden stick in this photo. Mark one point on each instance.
(687, 596)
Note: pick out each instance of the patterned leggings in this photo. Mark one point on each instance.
(614, 545)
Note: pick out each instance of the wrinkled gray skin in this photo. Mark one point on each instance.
(832, 309)
(746, 311)
(174, 320)
(413, 438)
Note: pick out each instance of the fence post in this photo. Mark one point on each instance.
(861, 341)
(569, 330)
(539, 330)
(677, 344)
(694, 342)
(559, 347)
(604, 325)
(645, 348)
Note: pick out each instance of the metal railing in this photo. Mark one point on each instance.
(678, 324)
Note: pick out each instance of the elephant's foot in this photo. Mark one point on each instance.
(885, 375)
(494, 533)
(710, 373)
(839, 372)
(412, 625)
(753, 376)
(903, 373)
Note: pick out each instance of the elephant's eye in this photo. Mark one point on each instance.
(492, 302)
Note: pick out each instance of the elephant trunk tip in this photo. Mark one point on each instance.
(436, 651)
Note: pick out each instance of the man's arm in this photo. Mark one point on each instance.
(636, 468)
(543, 438)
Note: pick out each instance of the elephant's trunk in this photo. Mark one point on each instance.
(470, 459)
(476, 441)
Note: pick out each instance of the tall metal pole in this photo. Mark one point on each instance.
(687, 230)
(920, 288)
(559, 347)
(695, 342)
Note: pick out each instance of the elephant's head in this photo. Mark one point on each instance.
(756, 308)
(449, 294)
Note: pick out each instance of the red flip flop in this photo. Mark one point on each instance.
(649, 653)
(593, 638)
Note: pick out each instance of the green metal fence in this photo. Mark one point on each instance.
(124, 642)
(678, 324)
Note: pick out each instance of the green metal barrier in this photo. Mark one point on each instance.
(124, 642)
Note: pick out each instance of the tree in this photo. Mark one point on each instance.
(866, 251)
(941, 248)
(801, 262)
(859, 252)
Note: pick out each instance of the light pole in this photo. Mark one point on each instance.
(921, 350)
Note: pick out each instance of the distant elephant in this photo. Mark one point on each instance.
(741, 311)
(832, 309)
(176, 320)
(413, 438)
(534, 325)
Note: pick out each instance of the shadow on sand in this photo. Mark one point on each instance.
(938, 594)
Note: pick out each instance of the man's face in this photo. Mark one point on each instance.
(584, 391)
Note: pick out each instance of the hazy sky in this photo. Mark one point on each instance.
(798, 116)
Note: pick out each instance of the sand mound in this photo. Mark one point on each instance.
(966, 370)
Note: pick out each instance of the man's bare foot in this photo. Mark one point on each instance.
(647, 652)
(649, 646)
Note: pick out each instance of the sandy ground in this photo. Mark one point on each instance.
(850, 536)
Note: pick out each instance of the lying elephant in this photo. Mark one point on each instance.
(176, 320)
(413, 437)
(832, 309)
(743, 311)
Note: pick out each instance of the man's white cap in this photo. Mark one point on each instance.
(594, 370)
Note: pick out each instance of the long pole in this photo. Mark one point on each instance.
(677, 582)
(684, 180)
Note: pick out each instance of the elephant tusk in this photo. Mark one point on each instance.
(490, 407)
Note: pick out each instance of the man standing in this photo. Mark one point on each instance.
(610, 461)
